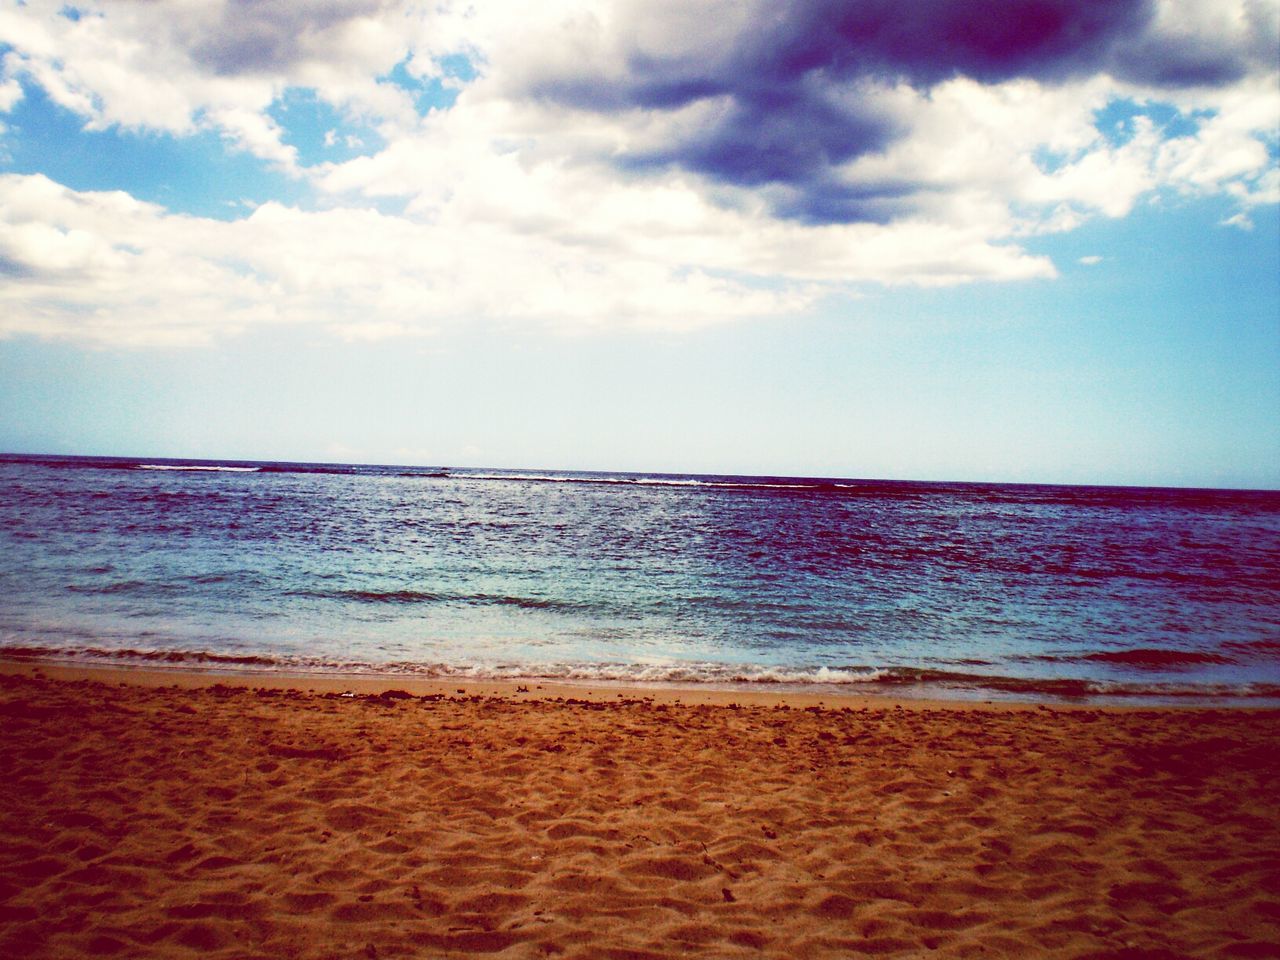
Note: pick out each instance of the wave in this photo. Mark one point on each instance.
(1265, 649)
(909, 681)
(1157, 658)
(1154, 658)
(210, 469)
(123, 586)
(977, 492)
(427, 596)
(643, 481)
(340, 469)
(128, 655)
(175, 585)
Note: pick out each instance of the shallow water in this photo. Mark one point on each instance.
(977, 589)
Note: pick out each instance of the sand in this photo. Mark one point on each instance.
(144, 820)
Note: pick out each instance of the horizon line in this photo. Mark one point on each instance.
(8, 455)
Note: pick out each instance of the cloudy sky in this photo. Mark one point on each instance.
(1021, 240)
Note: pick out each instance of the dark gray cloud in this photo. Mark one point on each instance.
(267, 36)
(781, 134)
(1187, 61)
(785, 115)
(834, 201)
(927, 41)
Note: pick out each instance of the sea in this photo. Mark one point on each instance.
(982, 591)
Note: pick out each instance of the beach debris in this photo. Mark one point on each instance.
(728, 895)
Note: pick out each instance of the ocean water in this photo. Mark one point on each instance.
(958, 589)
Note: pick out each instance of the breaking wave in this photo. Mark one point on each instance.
(210, 468)
(907, 681)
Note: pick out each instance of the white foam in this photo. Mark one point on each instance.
(689, 672)
(211, 469)
(634, 481)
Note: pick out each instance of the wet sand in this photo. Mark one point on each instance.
(173, 815)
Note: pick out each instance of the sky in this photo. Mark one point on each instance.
(1028, 240)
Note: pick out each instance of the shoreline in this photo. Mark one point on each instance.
(534, 689)
(530, 690)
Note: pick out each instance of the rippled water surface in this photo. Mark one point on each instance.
(971, 587)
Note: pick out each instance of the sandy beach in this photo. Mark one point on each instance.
(170, 815)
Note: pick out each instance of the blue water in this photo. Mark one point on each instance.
(966, 589)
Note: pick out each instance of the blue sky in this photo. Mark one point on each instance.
(846, 239)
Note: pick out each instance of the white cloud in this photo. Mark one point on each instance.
(181, 66)
(1090, 261)
(110, 268)
(1229, 152)
(106, 267)
(518, 207)
(10, 94)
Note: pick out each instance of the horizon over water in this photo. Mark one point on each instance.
(967, 589)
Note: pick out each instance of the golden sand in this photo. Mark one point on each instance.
(144, 820)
